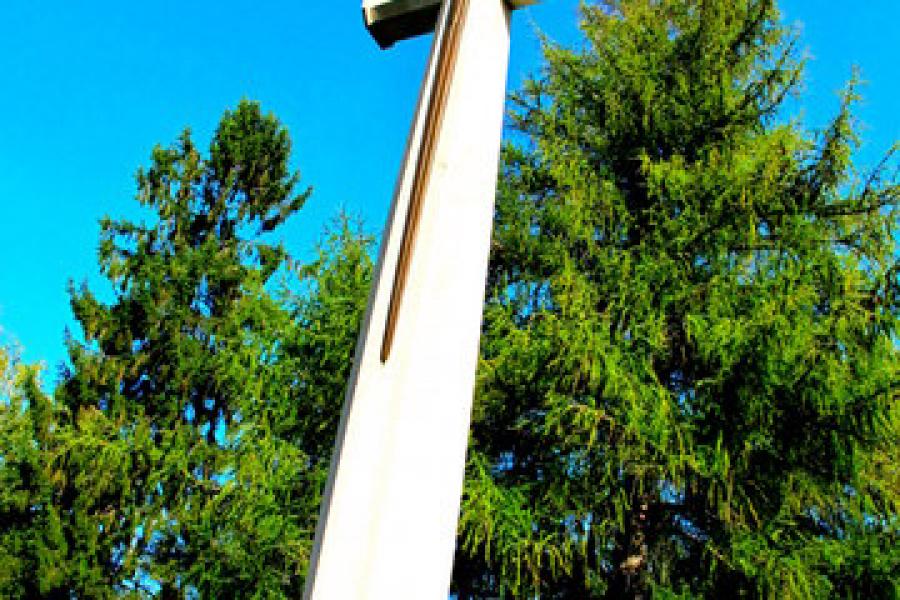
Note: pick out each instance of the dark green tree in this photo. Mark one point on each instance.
(29, 530)
(198, 438)
(690, 369)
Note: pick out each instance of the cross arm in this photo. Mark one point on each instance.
(391, 21)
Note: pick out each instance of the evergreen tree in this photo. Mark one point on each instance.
(690, 365)
(195, 455)
(27, 543)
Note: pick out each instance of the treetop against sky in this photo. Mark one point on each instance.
(92, 88)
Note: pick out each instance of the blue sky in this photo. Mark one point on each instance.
(92, 86)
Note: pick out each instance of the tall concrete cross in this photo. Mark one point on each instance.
(387, 527)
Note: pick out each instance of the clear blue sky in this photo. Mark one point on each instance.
(92, 86)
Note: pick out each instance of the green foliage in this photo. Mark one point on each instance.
(24, 484)
(185, 450)
(690, 366)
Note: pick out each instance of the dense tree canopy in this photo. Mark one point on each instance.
(690, 365)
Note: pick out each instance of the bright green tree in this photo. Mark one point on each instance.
(690, 369)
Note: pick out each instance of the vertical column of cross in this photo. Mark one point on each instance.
(390, 510)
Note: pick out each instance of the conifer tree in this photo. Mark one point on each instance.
(690, 370)
(196, 456)
(27, 544)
